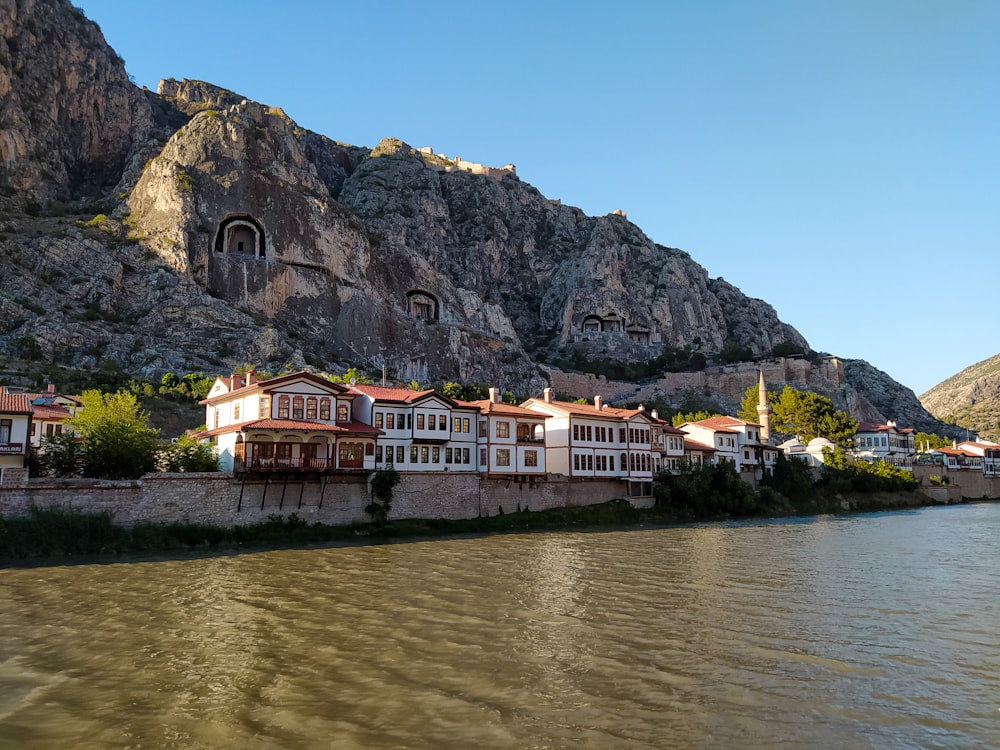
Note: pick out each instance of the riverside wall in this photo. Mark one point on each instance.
(962, 484)
(224, 500)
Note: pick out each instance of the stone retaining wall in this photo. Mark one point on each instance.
(223, 500)
(968, 484)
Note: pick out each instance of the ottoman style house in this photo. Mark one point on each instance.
(737, 442)
(511, 439)
(667, 445)
(594, 441)
(418, 430)
(15, 431)
(296, 423)
(50, 412)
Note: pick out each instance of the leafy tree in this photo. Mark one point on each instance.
(452, 390)
(351, 373)
(693, 416)
(748, 406)
(61, 455)
(188, 454)
(792, 478)
(787, 349)
(733, 352)
(118, 441)
(704, 491)
(804, 414)
(842, 473)
(194, 386)
(384, 481)
(930, 440)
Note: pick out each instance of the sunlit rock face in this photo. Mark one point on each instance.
(300, 246)
(70, 119)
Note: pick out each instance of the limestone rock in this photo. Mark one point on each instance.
(70, 116)
(235, 236)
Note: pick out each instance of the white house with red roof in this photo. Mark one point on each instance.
(419, 430)
(51, 411)
(510, 439)
(293, 423)
(735, 441)
(667, 445)
(15, 431)
(885, 442)
(974, 455)
(595, 441)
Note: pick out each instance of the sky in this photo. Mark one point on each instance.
(839, 159)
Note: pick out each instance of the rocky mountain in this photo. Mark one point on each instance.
(970, 399)
(193, 229)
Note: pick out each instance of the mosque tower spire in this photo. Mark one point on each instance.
(763, 410)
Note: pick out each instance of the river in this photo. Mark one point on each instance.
(861, 631)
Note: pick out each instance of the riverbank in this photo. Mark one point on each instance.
(65, 536)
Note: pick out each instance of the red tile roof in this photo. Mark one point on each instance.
(237, 386)
(694, 445)
(872, 427)
(725, 423)
(493, 407)
(390, 393)
(669, 429)
(14, 403)
(50, 413)
(956, 452)
(589, 410)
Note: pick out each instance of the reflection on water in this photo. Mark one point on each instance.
(872, 631)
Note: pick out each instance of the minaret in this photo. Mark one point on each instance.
(763, 410)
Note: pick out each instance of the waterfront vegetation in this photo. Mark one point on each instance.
(698, 493)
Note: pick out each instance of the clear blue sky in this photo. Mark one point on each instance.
(837, 158)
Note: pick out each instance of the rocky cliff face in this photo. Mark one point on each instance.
(887, 399)
(411, 258)
(70, 119)
(232, 235)
(969, 399)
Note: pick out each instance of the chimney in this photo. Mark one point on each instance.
(237, 381)
(642, 407)
(251, 377)
(50, 389)
(654, 414)
(494, 396)
(598, 403)
(547, 395)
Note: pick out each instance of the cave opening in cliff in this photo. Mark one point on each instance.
(421, 304)
(241, 235)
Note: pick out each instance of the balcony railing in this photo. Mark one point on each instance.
(281, 464)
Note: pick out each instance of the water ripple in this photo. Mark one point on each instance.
(868, 631)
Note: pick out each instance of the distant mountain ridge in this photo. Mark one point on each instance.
(970, 399)
(192, 229)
